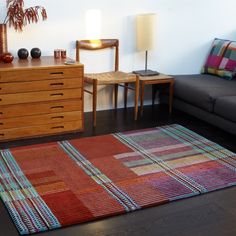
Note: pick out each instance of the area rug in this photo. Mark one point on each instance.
(53, 185)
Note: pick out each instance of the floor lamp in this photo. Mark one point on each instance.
(145, 32)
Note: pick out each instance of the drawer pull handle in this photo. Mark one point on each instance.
(56, 84)
(58, 127)
(1, 113)
(1, 123)
(1, 135)
(57, 73)
(56, 94)
(57, 107)
(57, 117)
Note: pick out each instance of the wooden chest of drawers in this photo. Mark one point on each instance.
(40, 97)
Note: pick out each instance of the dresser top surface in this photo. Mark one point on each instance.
(43, 62)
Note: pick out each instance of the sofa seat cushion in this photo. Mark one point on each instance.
(202, 90)
(226, 107)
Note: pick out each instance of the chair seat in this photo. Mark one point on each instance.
(114, 77)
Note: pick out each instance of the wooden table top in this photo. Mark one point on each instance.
(155, 77)
(42, 62)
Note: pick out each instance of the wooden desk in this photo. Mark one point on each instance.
(155, 80)
(40, 97)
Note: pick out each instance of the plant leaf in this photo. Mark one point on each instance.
(17, 16)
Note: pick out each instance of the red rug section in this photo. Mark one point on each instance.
(65, 187)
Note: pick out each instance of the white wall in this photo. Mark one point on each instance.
(185, 30)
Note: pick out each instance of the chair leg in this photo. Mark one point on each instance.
(116, 94)
(95, 85)
(136, 98)
(126, 94)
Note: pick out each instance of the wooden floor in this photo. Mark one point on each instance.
(209, 214)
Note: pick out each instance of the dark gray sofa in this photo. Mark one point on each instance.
(207, 97)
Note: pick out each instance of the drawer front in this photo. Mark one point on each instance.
(40, 130)
(30, 109)
(54, 84)
(40, 74)
(17, 98)
(25, 121)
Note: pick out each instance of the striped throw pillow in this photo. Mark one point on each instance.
(228, 61)
(221, 60)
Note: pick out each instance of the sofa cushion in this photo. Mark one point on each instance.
(226, 74)
(215, 56)
(226, 107)
(221, 60)
(202, 90)
(228, 61)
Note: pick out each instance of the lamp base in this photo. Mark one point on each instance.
(146, 72)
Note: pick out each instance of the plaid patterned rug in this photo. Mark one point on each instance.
(52, 185)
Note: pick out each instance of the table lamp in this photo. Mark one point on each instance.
(145, 32)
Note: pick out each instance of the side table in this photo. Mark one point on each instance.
(155, 80)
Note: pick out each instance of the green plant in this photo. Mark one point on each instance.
(18, 16)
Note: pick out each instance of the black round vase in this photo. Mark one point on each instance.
(35, 53)
(23, 53)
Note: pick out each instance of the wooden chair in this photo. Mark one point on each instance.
(115, 77)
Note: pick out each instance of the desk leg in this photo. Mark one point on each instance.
(136, 96)
(171, 94)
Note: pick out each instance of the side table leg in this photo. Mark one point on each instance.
(136, 96)
(171, 94)
(142, 97)
(154, 90)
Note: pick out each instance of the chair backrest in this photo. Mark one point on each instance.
(97, 45)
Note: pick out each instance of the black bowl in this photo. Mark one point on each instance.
(23, 53)
(35, 53)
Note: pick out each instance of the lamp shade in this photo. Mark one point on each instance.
(145, 31)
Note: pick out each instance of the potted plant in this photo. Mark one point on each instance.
(17, 17)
